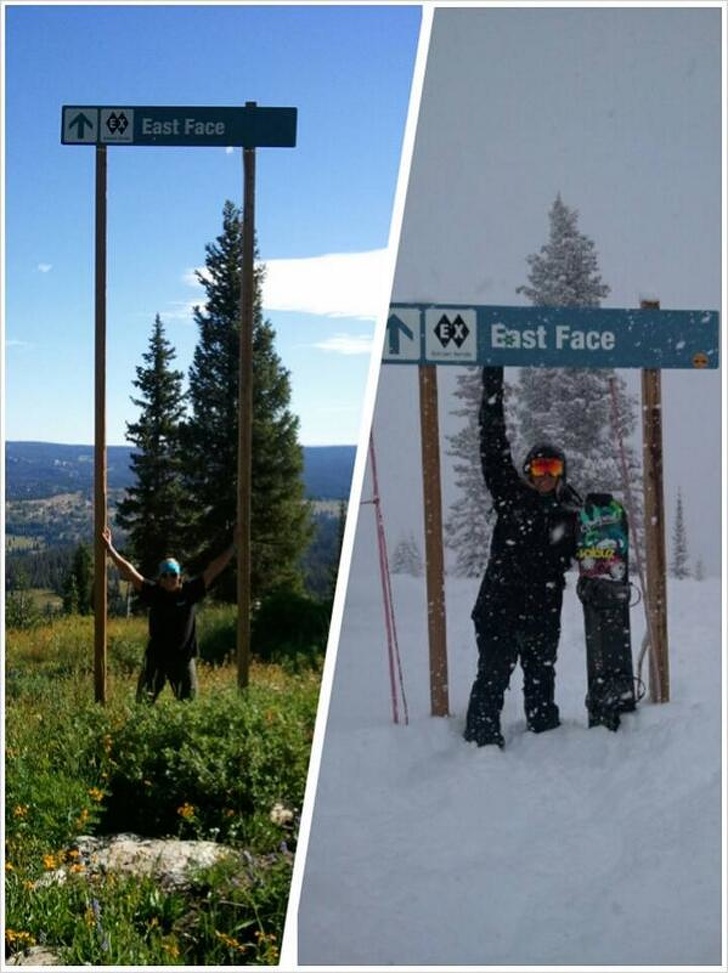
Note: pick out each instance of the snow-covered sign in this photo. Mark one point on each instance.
(583, 337)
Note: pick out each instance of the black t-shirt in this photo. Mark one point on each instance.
(172, 630)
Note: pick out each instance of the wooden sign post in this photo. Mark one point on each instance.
(245, 418)
(100, 464)
(656, 561)
(434, 559)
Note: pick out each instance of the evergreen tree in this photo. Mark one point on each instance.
(470, 521)
(679, 566)
(155, 509)
(78, 587)
(573, 407)
(699, 573)
(21, 610)
(280, 520)
(564, 273)
(407, 558)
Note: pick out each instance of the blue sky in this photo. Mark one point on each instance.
(323, 209)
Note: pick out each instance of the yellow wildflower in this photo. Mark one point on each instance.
(187, 811)
(95, 794)
(19, 939)
(230, 942)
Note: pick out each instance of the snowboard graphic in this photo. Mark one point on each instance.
(604, 591)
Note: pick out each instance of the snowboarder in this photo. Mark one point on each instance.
(172, 647)
(517, 613)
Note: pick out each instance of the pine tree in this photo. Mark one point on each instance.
(573, 407)
(564, 273)
(78, 587)
(154, 510)
(21, 610)
(470, 521)
(469, 525)
(280, 520)
(407, 558)
(679, 566)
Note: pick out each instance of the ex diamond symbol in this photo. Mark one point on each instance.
(456, 331)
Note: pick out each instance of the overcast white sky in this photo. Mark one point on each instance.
(619, 110)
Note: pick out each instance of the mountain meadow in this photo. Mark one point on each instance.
(220, 779)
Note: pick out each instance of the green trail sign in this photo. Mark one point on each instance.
(573, 337)
(250, 126)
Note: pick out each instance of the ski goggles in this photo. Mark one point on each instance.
(546, 466)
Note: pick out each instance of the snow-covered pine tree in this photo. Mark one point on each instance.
(679, 563)
(407, 558)
(572, 407)
(470, 521)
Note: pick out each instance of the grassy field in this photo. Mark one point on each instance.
(211, 769)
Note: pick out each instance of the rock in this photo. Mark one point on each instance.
(167, 860)
(35, 956)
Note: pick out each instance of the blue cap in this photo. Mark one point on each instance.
(169, 566)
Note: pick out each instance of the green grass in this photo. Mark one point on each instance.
(212, 769)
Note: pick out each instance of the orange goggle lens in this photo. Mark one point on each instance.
(545, 466)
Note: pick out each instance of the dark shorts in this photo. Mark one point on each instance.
(181, 673)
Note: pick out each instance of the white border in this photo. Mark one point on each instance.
(289, 948)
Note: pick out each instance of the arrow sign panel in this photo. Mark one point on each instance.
(456, 334)
(402, 343)
(250, 126)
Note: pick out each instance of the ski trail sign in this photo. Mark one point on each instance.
(248, 126)
(568, 337)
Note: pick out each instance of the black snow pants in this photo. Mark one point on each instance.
(515, 623)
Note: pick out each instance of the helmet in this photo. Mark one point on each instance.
(544, 451)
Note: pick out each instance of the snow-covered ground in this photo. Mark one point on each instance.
(576, 847)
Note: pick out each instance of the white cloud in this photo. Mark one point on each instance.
(44, 268)
(347, 344)
(179, 310)
(336, 285)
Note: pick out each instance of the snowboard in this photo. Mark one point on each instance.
(604, 591)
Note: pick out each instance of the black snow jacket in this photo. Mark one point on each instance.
(534, 538)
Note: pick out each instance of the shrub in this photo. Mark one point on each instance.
(217, 634)
(211, 769)
(289, 625)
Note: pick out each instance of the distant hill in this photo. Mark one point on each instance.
(36, 470)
